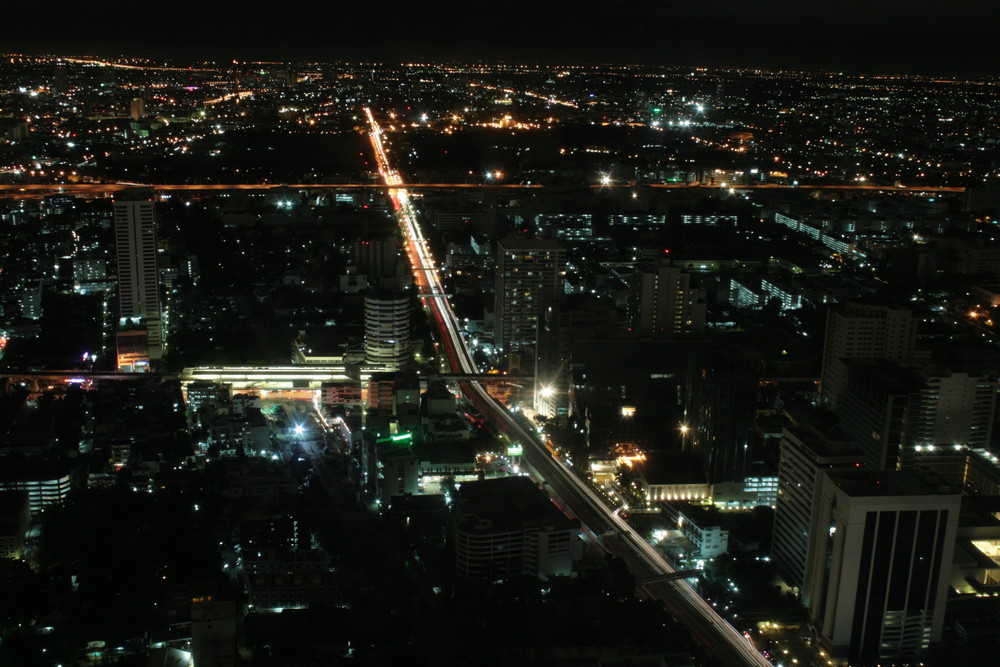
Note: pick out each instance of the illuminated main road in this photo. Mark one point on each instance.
(728, 645)
(35, 190)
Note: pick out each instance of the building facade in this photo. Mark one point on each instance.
(805, 452)
(863, 331)
(529, 276)
(879, 566)
(387, 330)
(662, 301)
(506, 527)
(138, 278)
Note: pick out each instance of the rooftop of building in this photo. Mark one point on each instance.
(703, 517)
(523, 243)
(671, 468)
(414, 504)
(860, 483)
(508, 504)
(827, 441)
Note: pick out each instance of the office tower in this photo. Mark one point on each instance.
(661, 301)
(213, 632)
(552, 367)
(88, 267)
(956, 409)
(376, 258)
(137, 108)
(721, 411)
(880, 408)
(31, 300)
(387, 330)
(895, 412)
(863, 331)
(805, 452)
(61, 84)
(880, 560)
(138, 285)
(529, 277)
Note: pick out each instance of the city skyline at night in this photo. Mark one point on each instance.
(657, 334)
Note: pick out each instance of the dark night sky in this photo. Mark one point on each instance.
(955, 37)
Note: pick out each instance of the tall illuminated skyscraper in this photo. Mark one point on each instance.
(138, 281)
(529, 277)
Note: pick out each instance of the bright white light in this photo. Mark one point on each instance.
(546, 392)
(605, 179)
(299, 429)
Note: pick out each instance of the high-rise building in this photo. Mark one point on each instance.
(805, 452)
(956, 409)
(529, 276)
(137, 108)
(138, 284)
(880, 408)
(721, 412)
(387, 330)
(879, 564)
(863, 331)
(895, 412)
(553, 376)
(213, 632)
(376, 257)
(662, 301)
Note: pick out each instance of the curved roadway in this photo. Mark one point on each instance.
(728, 645)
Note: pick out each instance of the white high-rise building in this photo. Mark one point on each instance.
(387, 330)
(863, 331)
(805, 453)
(957, 409)
(138, 280)
(879, 564)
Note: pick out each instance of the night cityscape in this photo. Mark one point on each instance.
(486, 353)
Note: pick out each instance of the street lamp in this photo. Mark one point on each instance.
(547, 392)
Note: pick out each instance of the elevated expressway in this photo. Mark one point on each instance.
(729, 646)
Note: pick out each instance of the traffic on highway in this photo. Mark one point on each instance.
(599, 521)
